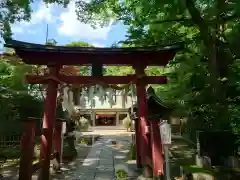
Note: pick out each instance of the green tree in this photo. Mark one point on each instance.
(84, 70)
(203, 76)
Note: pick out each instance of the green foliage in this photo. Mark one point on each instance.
(16, 101)
(11, 75)
(15, 106)
(121, 174)
(84, 70)
(79, 44)
(132, 152)
(118, 71)
(204, 77)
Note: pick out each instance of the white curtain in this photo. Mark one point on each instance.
(67, 103)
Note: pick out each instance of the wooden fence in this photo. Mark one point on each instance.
(10, 140)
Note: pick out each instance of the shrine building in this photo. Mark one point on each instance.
(107, 110)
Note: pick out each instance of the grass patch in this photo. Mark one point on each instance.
(216, 172)
(12, 153)
(196, 169)
(121, 174)
(132, 155)
(81, 141)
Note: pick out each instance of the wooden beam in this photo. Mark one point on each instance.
(34, 79)
(47, 58)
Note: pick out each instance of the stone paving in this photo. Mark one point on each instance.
(104, 160)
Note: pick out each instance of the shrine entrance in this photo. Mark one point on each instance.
(105, 120)
(55, 57)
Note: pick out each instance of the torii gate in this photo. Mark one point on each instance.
(57, 56)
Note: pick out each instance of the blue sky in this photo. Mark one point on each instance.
(64, 27)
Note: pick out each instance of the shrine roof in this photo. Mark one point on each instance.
(46, 54)
(156, 107)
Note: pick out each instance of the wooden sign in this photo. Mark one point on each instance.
(165, 132)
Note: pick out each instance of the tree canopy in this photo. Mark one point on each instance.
(203, 77)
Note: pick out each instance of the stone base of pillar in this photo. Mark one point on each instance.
(143, 178)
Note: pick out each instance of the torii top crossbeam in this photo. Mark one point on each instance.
(61, 55)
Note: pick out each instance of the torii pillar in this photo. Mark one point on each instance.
(49, 119)
(143, 139)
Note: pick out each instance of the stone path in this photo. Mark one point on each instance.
(181, 153)
(104, 160)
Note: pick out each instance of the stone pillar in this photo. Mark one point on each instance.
(117, 119)
(93, 117)
(58, 144)
(27, 145)
(48, 124)
(123, 99)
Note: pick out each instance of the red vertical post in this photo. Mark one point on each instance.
(137, 134)
(27, 145)
(142, 115)
(58, 142)
(48, 124)
(157, 156)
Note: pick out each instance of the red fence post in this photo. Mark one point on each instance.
(137, 134)
(157, 156)
(49, 120)
(58, 143)
(27, 148)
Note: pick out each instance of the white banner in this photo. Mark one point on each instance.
(165, 131)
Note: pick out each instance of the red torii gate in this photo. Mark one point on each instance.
(57, 56)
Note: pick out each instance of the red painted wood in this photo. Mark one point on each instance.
(27, 145)
(160, 58)
(142, 114)
(157, 156)
(34, 79)
(48, 124)
(58, 142)
(138, 143)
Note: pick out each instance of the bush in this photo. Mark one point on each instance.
(83, 123)
(16, 106)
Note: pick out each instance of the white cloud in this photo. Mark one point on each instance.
(71, 27)
(17, 29)
(98, 45)
(43, 14)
